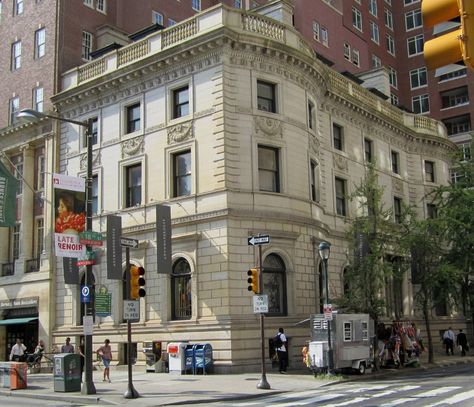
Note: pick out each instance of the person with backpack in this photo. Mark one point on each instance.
(281, 344)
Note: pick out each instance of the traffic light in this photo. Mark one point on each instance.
(137, 282)
(253, 281)
(455, 46)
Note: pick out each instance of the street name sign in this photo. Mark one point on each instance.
(127, 242)
(256, 240)
(91, 238)
(260, 304)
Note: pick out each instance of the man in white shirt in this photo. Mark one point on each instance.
(282, 351)
(17, 353)
(448, 339)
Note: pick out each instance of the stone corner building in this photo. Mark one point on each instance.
(229, 119)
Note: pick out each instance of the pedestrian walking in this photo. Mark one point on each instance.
(448, 340)
(17, 353)
(461, 341)
(281, 346)
(67, 347)
(105, 352)
(81, 350)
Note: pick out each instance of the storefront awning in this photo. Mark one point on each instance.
(17, 321)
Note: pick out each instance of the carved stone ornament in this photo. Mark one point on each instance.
(268, 126)
(180, 132)
(340, 162)
(397, 185)
(95, 160)
(314, 145)
(133, 146)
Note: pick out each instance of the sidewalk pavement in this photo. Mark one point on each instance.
(161, 389)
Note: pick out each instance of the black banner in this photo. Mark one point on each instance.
(114, 249)
(71, 270)
(163, 239)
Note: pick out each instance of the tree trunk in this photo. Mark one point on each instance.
(426, 316)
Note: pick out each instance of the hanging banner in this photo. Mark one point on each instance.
(114, 249)
(71, 270)
(69, 203)
(8, 190)
(163, 239)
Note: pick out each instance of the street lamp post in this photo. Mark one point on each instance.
(30, 115)
(324, 251)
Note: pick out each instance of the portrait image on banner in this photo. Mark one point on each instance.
(70, 215)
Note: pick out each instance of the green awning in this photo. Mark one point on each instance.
(17, 321)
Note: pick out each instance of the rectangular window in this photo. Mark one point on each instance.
(395, 162)
(465, 151)
(373, 7)
(407, 2)
(16, 242)
(431, 211)
(95, 132)
(374, 32)
(413, 19)
(39, 247)
(458, 125)
(454, 97)
(314, 180)
(347, 51)
(95, 194)
(181, 102)
(390, 44)
(429, 171)
(88, 2)
(325, 36)
(453, 75)
(392, 76)
(16, 56)
(365, 331)
(86, 45)
(266, 96)
(100, 5)
(133, 185)
(368, 153)
(340, 187)
(356, 18)
(18, 7)
(388, 19)
(355, 56)
(420, 104)
(311, 115)
(268, 169)
(38, 100)
(418, 78)
(13, 107)
(171, 22)
(40, 43)
(316, 30)
(41, 175)
(376, 61)
(238, 3)
(196, 5)
(415, 45)
(394, 99)
(397, 210)
(347, 332)
(157, 18)
(182, 173)
(133, 118)
(338, 136)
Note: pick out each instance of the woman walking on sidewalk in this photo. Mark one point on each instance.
(105, 352)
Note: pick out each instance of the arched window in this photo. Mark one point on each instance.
(91, 304)
(181, 290)
(274, 284)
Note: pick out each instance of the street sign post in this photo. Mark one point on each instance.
(127, 242)
(131, 309)
(260, 304)
(257, 240)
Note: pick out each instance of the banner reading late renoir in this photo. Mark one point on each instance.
(70, 215)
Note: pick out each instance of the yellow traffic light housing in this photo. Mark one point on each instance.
(455, 46)
(252, 280)
(137, 282)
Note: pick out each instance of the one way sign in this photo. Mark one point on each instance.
(127, 242)
(255, 240)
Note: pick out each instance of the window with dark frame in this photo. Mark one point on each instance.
(18, 7)
(133, 185)
(337, 137)
(397, 209)
(182, 173)
(86, 47)
(368, 153)
(38, 99)
(268, 169)
(395, 162)
(314, 181)
(133, 118)
(181, 298)
(429, 171)
(266, 96)
(40, 42)
(311, 115)
(340, 187)
(14, 107)
(16, 56)
(431, 211)
(274, 285)
(181, 102)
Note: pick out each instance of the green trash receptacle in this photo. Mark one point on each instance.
(67, 372)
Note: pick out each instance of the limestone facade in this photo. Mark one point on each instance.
(248, 171)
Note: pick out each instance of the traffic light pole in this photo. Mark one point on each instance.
(263, 383)
(131, 393)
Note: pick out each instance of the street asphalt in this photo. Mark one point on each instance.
(161, 389)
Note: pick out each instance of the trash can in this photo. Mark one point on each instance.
(189, 359)
(67, 372)
(203, 358)
(13, 375)
(177, 357)
(152, 351)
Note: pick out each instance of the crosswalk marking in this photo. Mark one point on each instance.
(437, 392)
(455, 399)
(308, 401)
